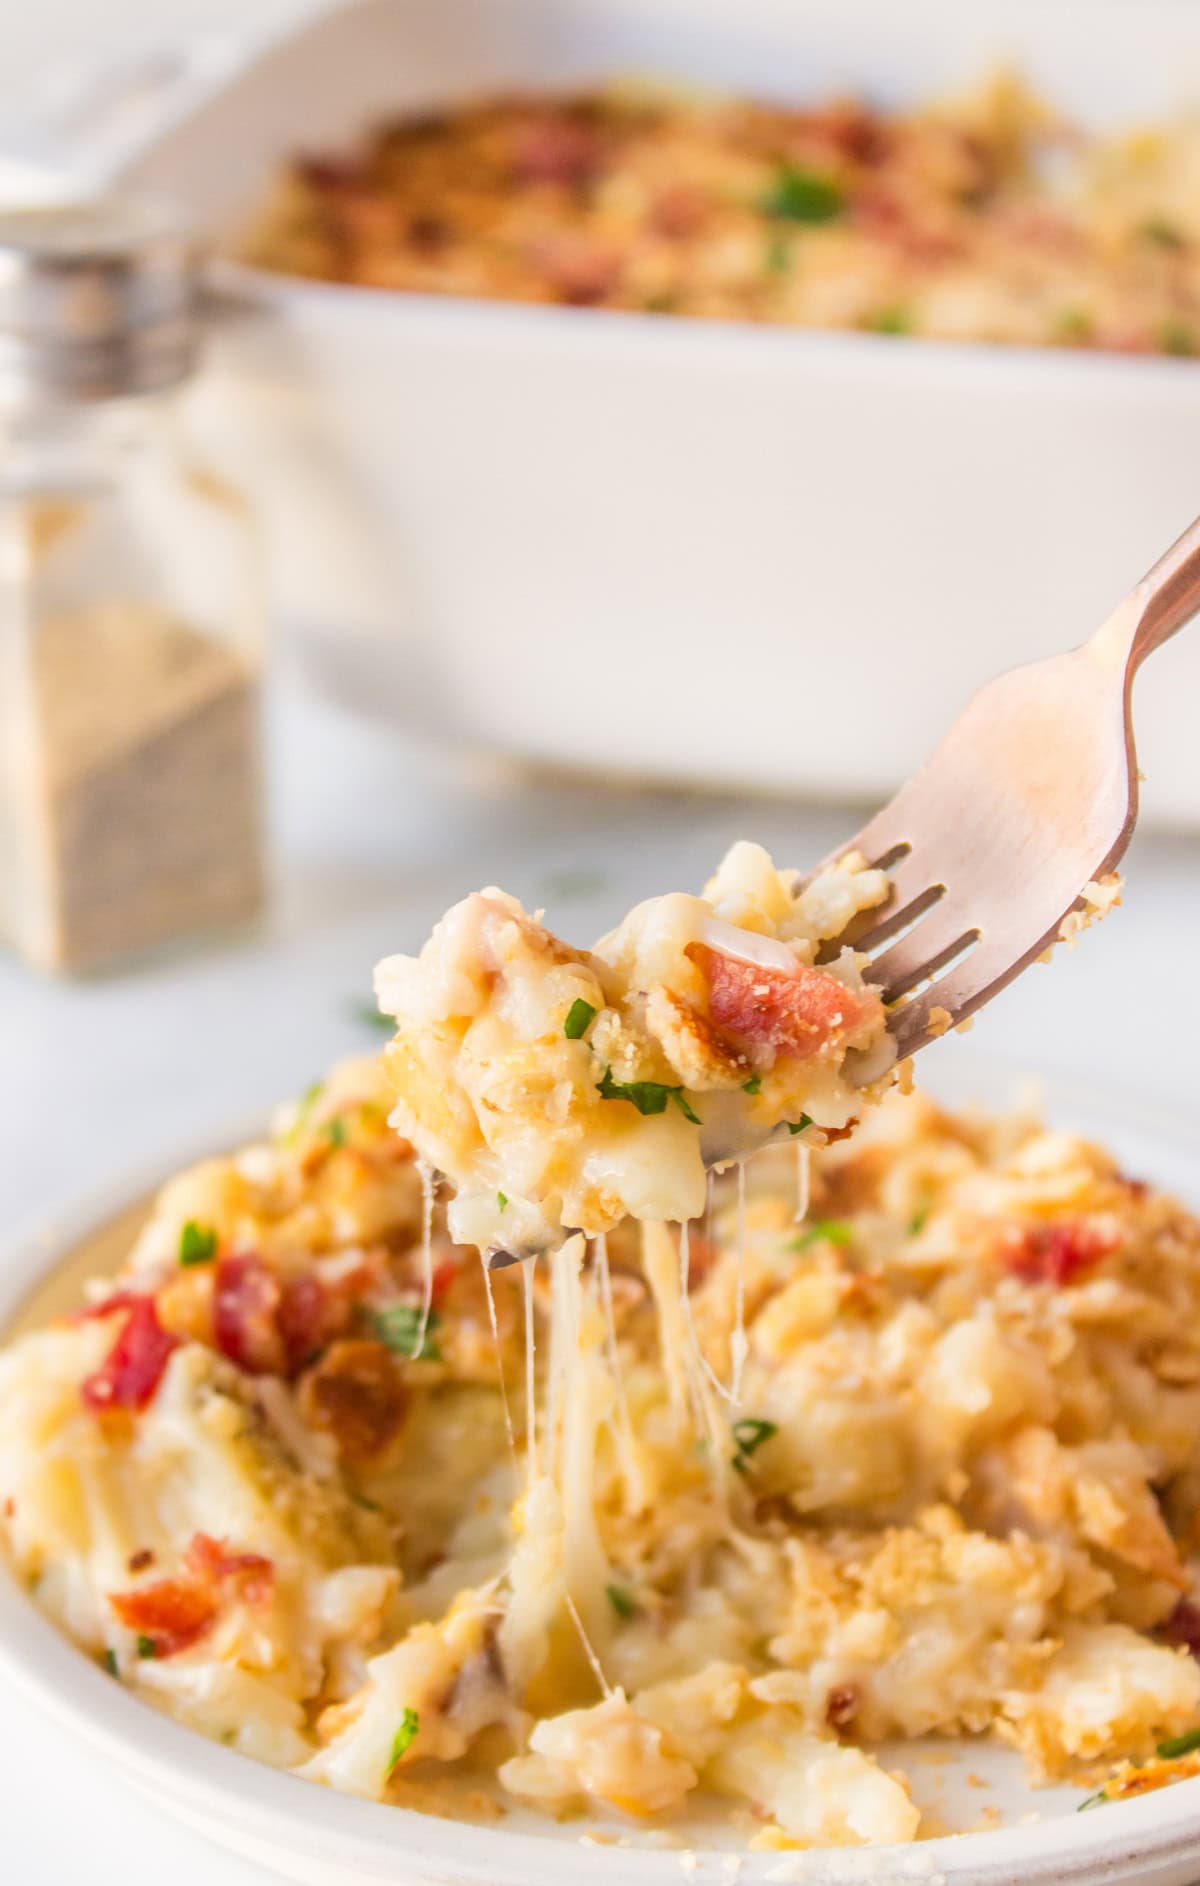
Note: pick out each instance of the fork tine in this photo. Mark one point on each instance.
(928, 947)
(871, 930)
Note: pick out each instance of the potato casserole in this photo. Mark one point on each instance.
(983, 218)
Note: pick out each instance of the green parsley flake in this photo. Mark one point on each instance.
(580, 1017)
(502, 1200)
(802, 196)
(335, 1131)
(399, 1329)
(197, 1244)
(370, 1017)
(1161, 231)
(647, 1096)
(1093, 1800)
(753, 1085)
(778, 259)
(1177, 1745)
(751, 1433)
(798, 1126)
(918, 1221)
(110, 1664)
(823, 1231)
(894, 320)
(620, 1601)
(403, 1739)
(147, 1649)
(1072, 326)
(1176, 337)
(304, 1107)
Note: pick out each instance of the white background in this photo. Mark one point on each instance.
(372, 841)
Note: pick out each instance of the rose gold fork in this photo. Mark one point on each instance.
(1032, 796)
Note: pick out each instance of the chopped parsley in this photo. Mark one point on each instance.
(398, 1328)
(404, 1738)
(370, 1017)
(802, 196)
(918, 1221)
(823, 1231)
(778, 259)
(197, 1244)
(1161, 231)
(798, 1126)
(304, 1107)
(1073, 325)
(147, 1649)
(110, 1664)
(1176, 337)
(335, 1131)
(647, 1096)
(896, 319)
(749, 1435)
(620, 1601)
(1177, 1745)
(753, 1085)
(368, 1506)
(572, 881)
(502, 1200)
(1093, 1800)
(580, 1017)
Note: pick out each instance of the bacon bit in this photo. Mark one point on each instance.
(133, 1367)
(796, 1014)
(444, 1273)
(1182, 1628)
(267, 1324)
(841, 1706)
(680, 211)
(556, 150)
(357, 1394)
(140, 1561)
(211, 1560)
(175, 1613)
(1056, 1254)
(580, 270)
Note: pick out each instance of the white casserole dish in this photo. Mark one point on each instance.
(317, 1837)
(670, 547)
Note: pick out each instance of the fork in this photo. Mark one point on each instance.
(1030, 798)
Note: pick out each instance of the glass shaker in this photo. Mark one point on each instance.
(131, 620)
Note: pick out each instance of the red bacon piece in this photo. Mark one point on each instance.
(268, 1324)
(795, 1014)
(133, 1367)
(211, 1560)
(556, 150)
(1056, 1254)
(174, 1613)
(1182, 1628)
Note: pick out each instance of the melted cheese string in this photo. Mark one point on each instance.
(738, 1345)
(588, 1650)
(531, 1449)
(491, 1303)
(803, 1163)
(428, 1195)
(623, 1425)
(686, 1295)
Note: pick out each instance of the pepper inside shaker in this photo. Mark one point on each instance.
(131, 619)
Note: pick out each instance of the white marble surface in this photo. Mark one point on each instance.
(373, 840)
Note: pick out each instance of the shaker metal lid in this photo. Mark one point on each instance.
(98, 299)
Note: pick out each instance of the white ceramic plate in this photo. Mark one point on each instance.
(319, 1838)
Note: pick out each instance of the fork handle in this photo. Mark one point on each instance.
(1167, 597)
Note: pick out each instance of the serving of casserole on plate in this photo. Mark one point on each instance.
(674, 1532)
